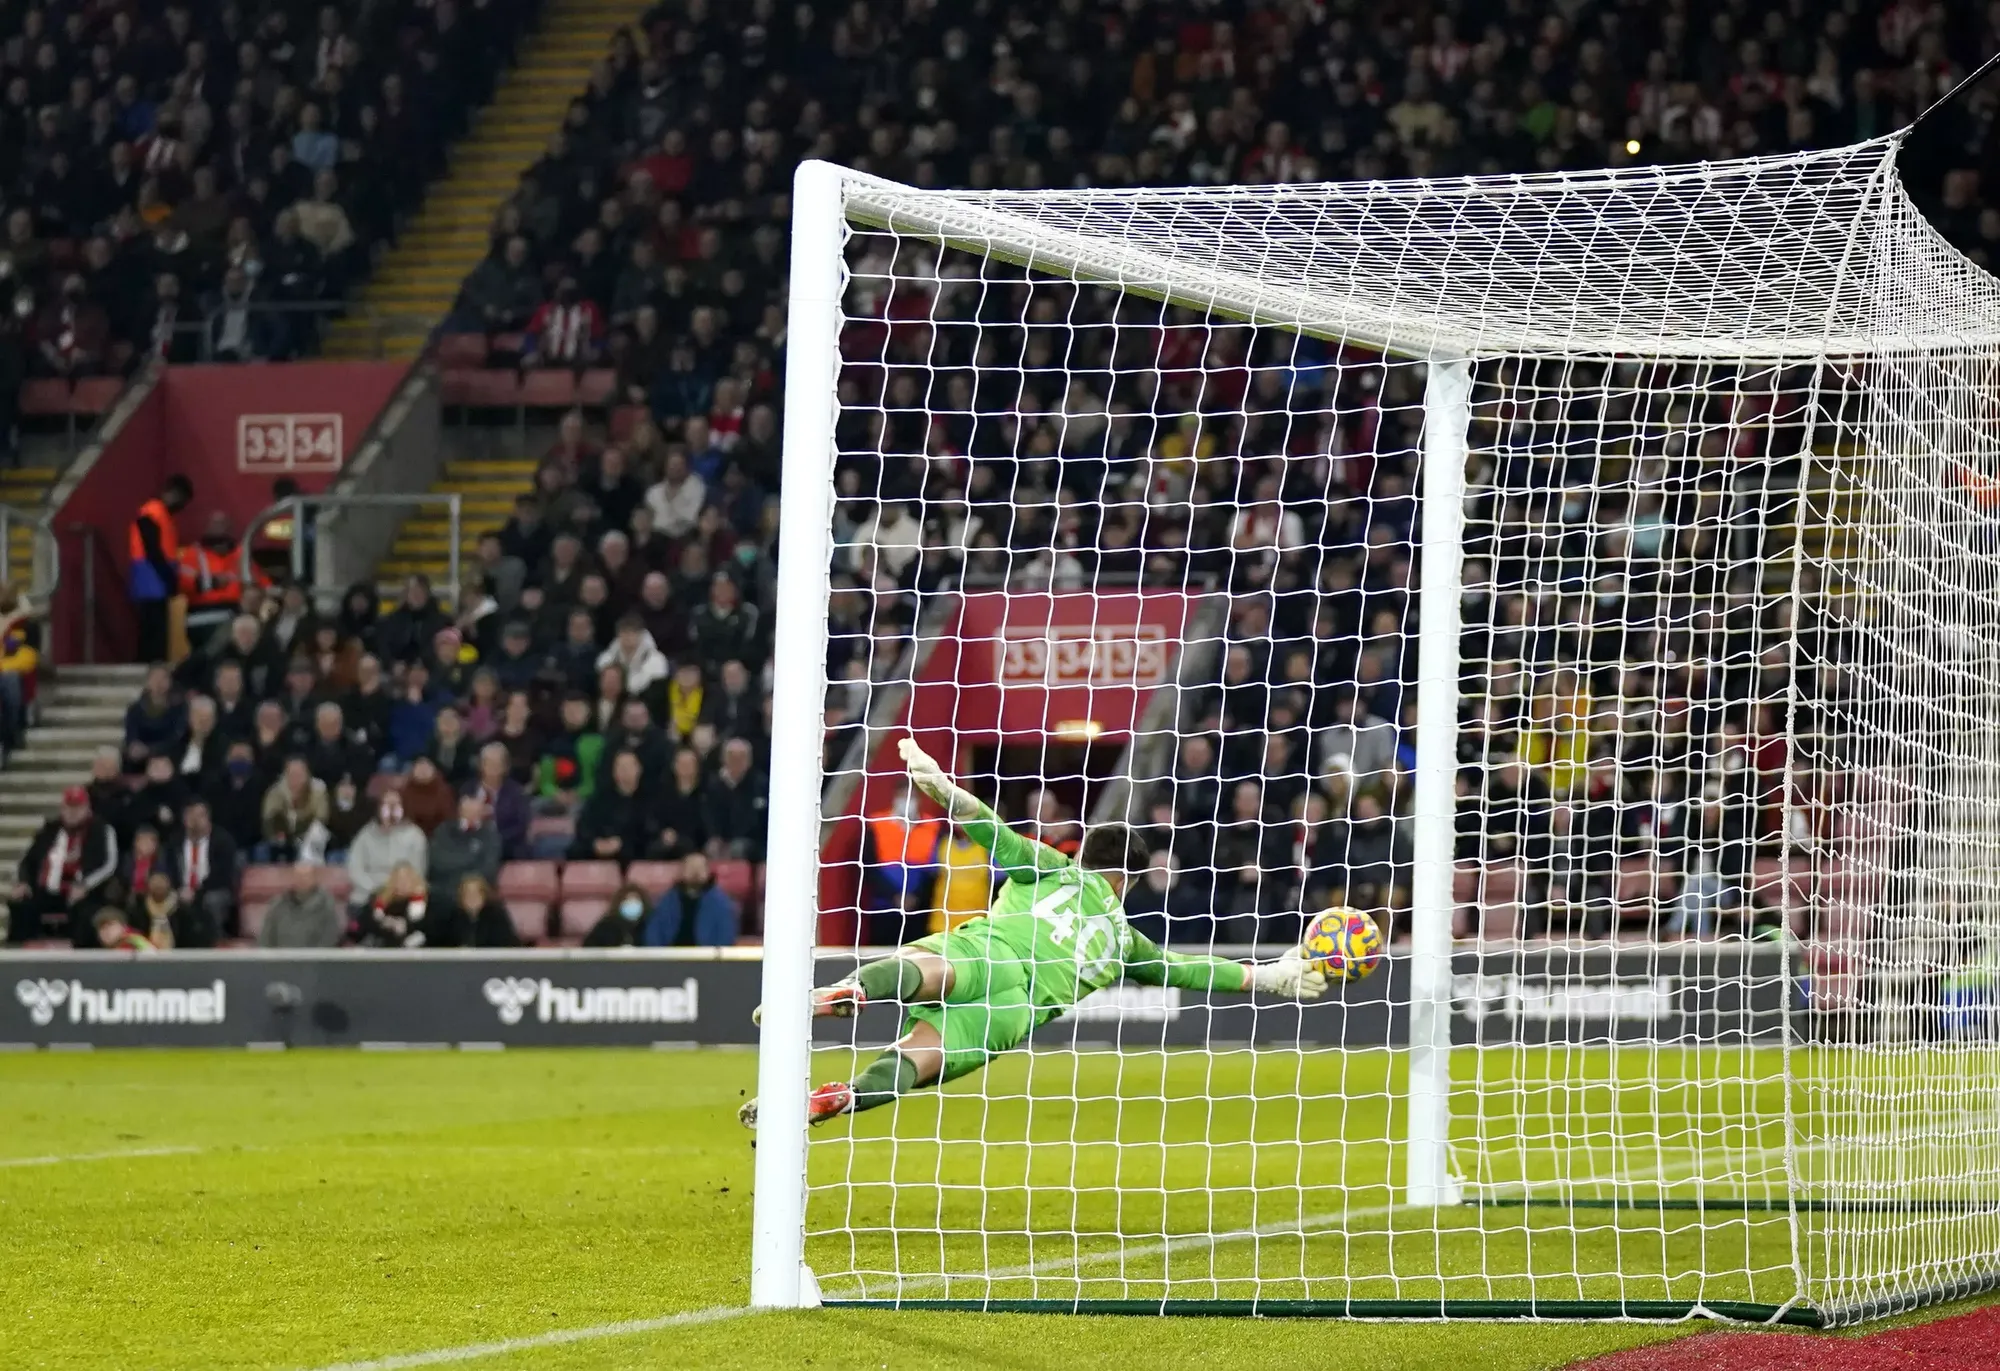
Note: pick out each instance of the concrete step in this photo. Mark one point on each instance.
(71, 735)
(57, 710)
(74, 693)
(117, 671)
(70, 760)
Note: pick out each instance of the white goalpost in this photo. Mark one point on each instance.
(1594, 577)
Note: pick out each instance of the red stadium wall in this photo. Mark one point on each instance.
(1011, 667)
(231, 430)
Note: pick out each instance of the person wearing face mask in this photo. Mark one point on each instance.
(621, 924)
(695, 912)
(234, 796)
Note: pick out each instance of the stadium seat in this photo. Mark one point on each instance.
(337, 882)
(462, 350)
(590, 880)
(653, 877)
(382, 782)
(44, 396)
(595, 387)
(580, 916)
(531, 919)
(734, 879)
(264, 882)
(530, 881)
(481, 387)
(250, 918)
(548, 388)
(96, 394)
(509, 343)
(624, 419)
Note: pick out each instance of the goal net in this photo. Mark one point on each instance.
(1590, 576)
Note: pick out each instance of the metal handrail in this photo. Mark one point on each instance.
(45, 563)
(297, 505)
(93, 545)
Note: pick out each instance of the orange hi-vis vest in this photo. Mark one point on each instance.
(912, 842)
(209, 579)
(156, 510)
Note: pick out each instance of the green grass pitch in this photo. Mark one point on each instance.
(302, 1210)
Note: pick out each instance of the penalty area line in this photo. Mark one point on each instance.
(131, 1152)
(443, 1356)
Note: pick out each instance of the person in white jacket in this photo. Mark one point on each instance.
(676, 499)
(634, 650)
(380, 845)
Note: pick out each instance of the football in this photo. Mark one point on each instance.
(1344, 944)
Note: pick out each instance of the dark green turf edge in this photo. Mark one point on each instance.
(1725, 1204)
(1798, 1316)
(1887, 1306)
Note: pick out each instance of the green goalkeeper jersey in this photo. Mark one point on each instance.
(1068, 926)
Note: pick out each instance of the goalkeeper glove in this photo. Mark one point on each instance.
(1291, 976)
(926, 775)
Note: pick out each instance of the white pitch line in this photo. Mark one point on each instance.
(472, 1351)
(99, 1156)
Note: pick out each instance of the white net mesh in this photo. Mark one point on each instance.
(1128, 521)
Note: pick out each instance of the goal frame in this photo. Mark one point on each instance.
(825, 204)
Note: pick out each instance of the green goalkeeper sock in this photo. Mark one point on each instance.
(892, 978)
(888, 1076)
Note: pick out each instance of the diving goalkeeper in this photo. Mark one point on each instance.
(1055, 933)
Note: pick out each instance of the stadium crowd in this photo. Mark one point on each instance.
(624, 611)
(204, 180)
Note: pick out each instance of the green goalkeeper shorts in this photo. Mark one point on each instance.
(989, 1009)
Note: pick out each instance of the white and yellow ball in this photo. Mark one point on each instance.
(1342, 944)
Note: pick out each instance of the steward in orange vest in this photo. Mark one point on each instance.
(902, 851)
(153, 575)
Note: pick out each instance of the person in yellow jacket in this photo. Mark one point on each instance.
(965, 881)
(19, 659)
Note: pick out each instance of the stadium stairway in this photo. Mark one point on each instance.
(487, 486)
(24, 488)
(415, 282)
(80, 709)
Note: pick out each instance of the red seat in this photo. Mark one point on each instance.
(591, 880)
(624, 419)
(734, 879)
(264, 882)
(655, 878)
(337, 882)
(462, 350)
(549, 388)
(597, 386)
(510, 343)
(44, 395)
(96, 394)
(529, 881)
(580, 916)
(251, 917)
(481, 387)
(531, 919)
(382, 782)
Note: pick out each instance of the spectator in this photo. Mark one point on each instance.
(428, 798)
(452, 749)
(694, 912)
(621, 924)
(569, 767)
(506, 802)
(333, 751)
(202, 865)
(156, 913)
(567, 330)
(469, 845)
(413, 716)
(304, 915)
(485, 921)
(64, 875)
(400, 914)
(635, 653)
(680, 814)
(294, 816)
(156, 721)
(201, 749)
(19, 658)
(382, 846)
(677, 498)
(502, 292)
(158, 800)
(613, 823)
(109, 930)
(737, 800)
(725, 626)
(406, 632)
(235, 796)
(349, 810)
